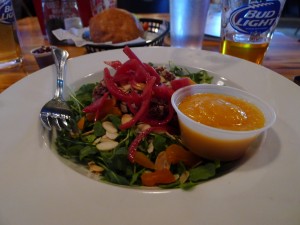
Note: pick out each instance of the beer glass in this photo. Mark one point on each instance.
(247, 27)
(10, 51)
(188, 20)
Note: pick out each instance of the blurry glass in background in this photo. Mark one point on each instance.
(71, 15)
(39, 13)
(99, 5)
(187, 21)
(53, 19)
(10, 51)
(58, 14)
(247, 27)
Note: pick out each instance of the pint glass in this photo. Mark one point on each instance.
(10, 51)
(248, 26)
(188, 20)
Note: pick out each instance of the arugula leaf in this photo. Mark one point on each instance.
(82, 97)
(188, 185)
(74, 150)
(198, 77)
(118, 168)
(136, 176)
(87, 151)
(202, 172)
(178, 71)
(98, 129)
(159, 142)
(117, 161)
(84, 93)
(171, 185)
(70, 152)
(116, 120)
(88, 138)
(113, 177)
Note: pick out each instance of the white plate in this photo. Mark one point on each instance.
(38, 189)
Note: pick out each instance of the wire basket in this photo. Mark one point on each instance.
(158, 28)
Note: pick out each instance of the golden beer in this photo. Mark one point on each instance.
(248, 26)
(10, 52)
(249, 51)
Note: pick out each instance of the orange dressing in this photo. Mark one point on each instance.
(213, 148)
(222, 111)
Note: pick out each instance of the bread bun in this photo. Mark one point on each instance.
(115, 25)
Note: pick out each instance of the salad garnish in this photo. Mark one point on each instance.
(127, 131)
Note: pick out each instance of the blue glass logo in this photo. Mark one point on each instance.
(255, 17)
(6, 12)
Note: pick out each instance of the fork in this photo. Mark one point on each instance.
(56, 113)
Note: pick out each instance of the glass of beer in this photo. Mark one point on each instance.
(10, 51)
(247, 27)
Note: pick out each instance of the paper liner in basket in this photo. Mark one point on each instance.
(76, 36)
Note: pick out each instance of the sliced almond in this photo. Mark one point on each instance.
(125, 87)
(143, 126)
(126, 118)
(96, 141)
(87, 133)
(150, 148)
(107, 145)
(104, 138)
(111, 136)
(101, 139)
(108, 126)
(184, 176)
(139, 86)
(95, 168)
(176, 176)
(171, 136)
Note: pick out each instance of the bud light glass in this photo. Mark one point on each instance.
(248, 26)
(188, 20)
(10, 51)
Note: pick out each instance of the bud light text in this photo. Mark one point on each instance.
(256, 17)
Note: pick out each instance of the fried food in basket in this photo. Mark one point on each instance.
(115, 25)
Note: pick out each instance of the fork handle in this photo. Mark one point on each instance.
(60, 58)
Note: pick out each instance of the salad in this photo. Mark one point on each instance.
(126, 130)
